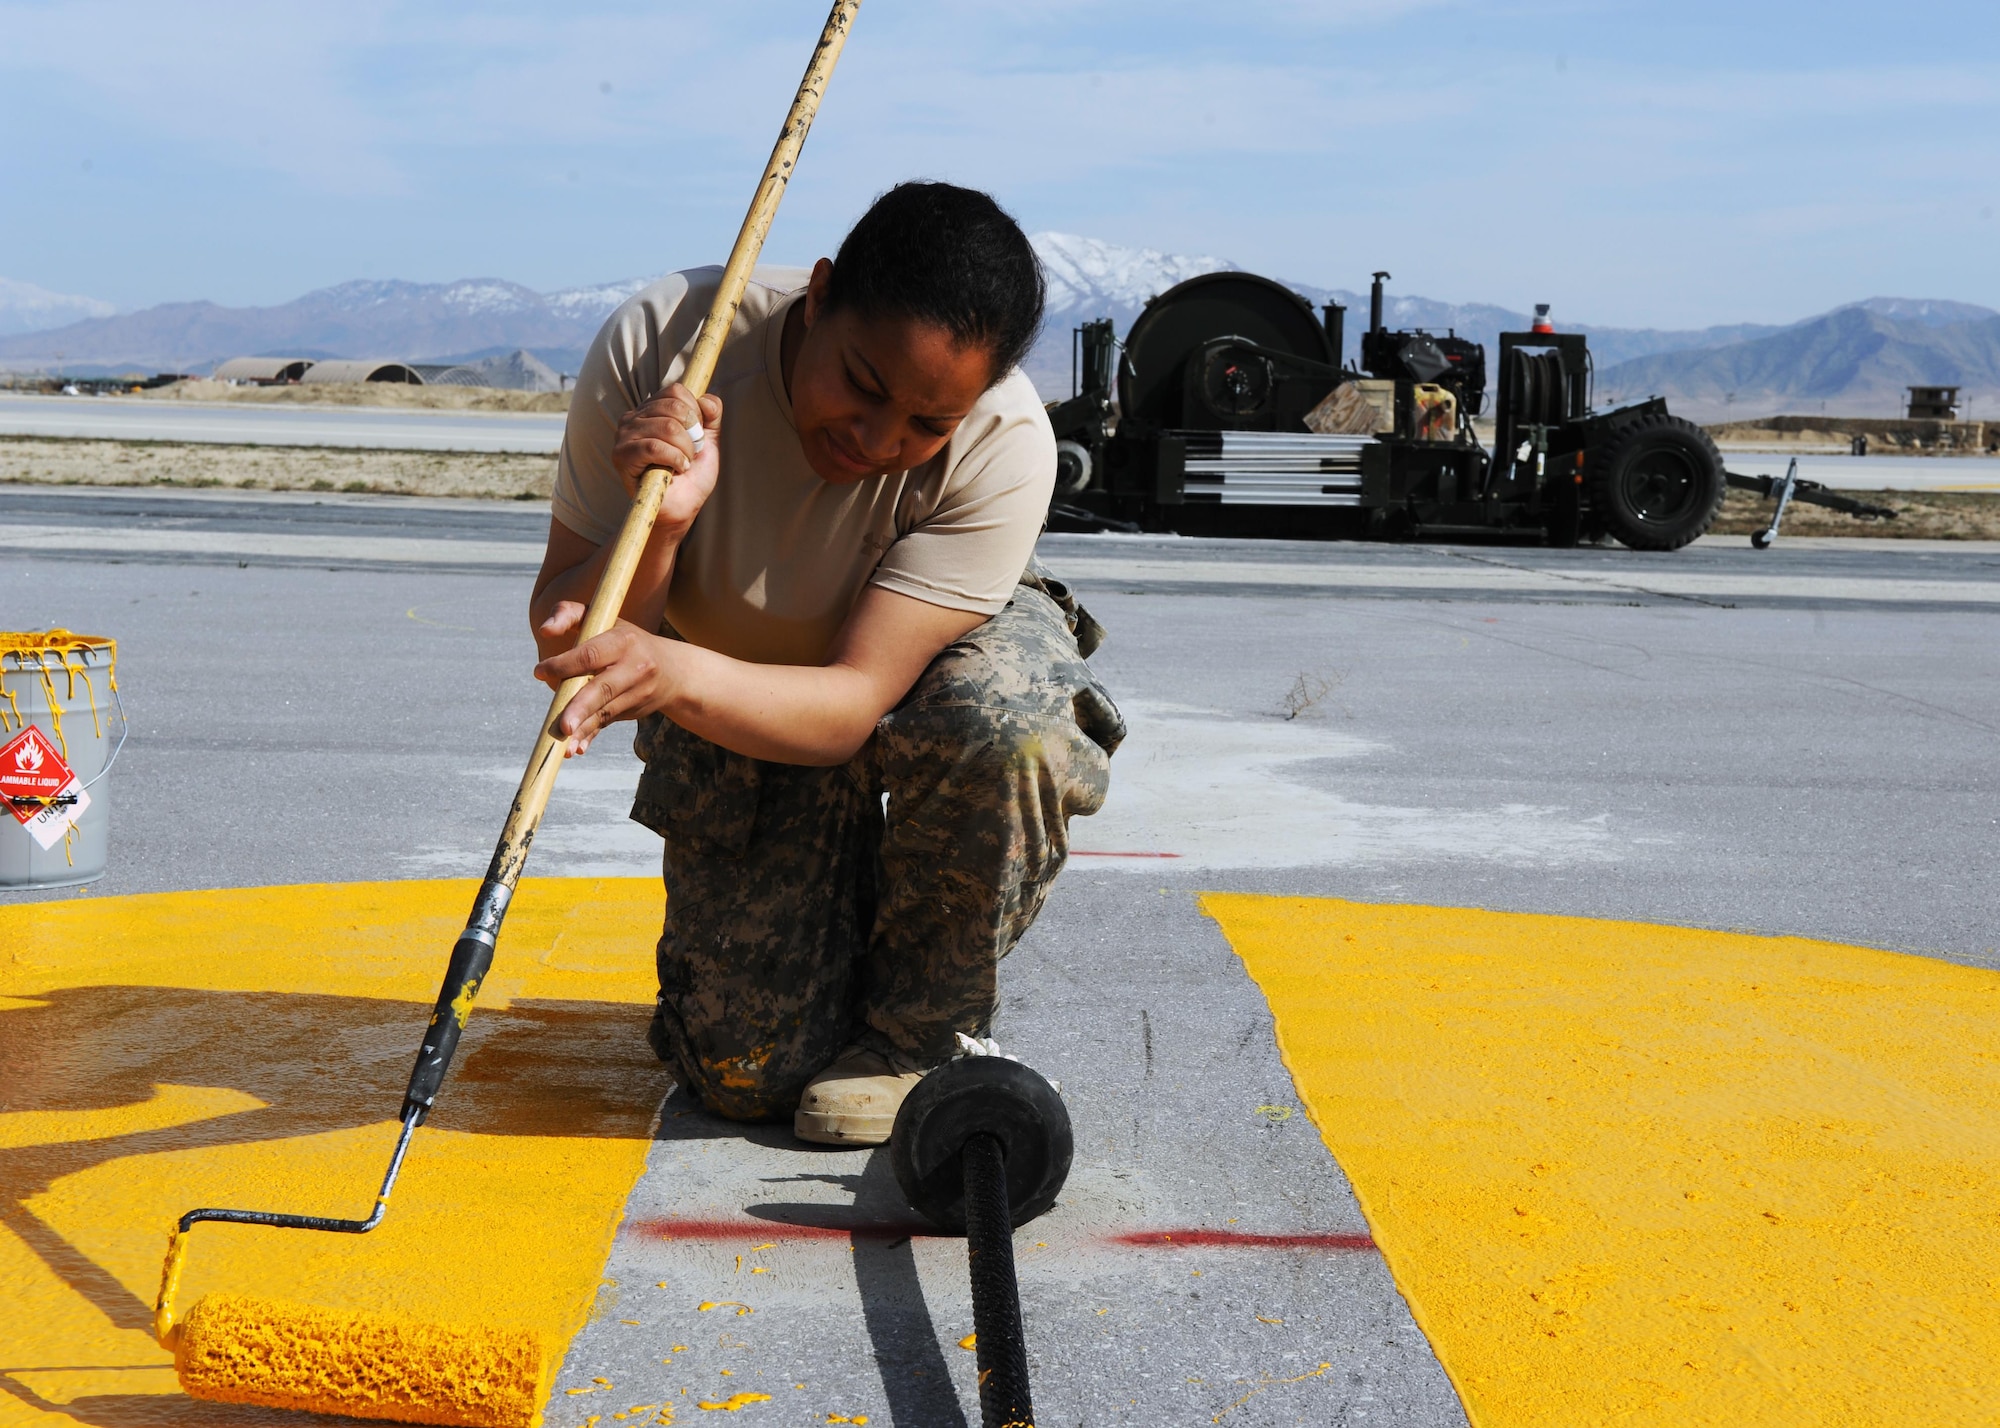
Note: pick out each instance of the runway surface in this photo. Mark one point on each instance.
(1875, 473)
(147, 419)
(333, 690)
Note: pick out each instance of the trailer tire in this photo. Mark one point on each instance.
(1657, 483)
(1074, 467)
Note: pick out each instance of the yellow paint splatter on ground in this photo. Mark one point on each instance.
(1265, 1386)
(735, 1401)
(1629, 1173)
(970, 1341)
(249, 1047)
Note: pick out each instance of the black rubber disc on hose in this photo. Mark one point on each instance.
(1004, 1099)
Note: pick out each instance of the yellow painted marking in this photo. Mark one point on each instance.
(171, 1015)
(169, 1106)
(735, 1401)
(708, 1304)
(1629, 1173)
(970, 1341)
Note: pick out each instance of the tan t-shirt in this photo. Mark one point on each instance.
(777, 557)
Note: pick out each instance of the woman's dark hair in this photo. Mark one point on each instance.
(947, 255)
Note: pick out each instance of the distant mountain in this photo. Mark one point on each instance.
(469, 319)
(1853, 361)
(27, 308)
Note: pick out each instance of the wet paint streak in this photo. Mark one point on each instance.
(724, 1231)
(1235, 1239)
(169, 1050)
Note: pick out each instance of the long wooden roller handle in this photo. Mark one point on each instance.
(472, 955)
(540, 776)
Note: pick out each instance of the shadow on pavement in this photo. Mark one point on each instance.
(879, 1225)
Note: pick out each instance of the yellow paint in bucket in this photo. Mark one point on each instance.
(65, 686)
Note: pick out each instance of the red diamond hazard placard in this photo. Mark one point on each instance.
(39, 788)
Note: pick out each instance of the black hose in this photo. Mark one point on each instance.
(996, 1295)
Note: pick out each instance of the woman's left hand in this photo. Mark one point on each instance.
(629, 676)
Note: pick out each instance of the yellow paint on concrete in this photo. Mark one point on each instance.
(249, 1048)
(169, 1106)
(566, 938)
(1637, 1174)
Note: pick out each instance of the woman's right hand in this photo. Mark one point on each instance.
(656, 434)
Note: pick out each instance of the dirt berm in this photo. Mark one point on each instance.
(1932, 515)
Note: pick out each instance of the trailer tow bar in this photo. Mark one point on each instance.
(1790, 487)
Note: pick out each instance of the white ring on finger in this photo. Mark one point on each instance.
(696, 435)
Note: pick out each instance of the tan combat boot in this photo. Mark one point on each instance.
(854, 1101)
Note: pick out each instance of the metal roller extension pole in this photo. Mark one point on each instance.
(1002, 1346)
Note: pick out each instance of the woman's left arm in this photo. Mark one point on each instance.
(793, 714)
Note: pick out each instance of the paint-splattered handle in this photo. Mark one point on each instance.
(474, 951)
(470, 958)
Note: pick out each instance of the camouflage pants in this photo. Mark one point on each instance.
(811, 907)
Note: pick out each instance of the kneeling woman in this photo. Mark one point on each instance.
(864, 712)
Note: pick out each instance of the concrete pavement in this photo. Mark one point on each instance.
(148, 419)
(1799, 740)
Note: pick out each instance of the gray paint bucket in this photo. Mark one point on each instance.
(58, 701)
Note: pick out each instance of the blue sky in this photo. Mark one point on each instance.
(1666, 164)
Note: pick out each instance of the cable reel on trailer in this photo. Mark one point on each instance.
(1225, 352)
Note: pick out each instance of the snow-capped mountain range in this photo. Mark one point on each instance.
(1862, 357)
(27, 308)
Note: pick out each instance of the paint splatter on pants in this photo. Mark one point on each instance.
(803, 914)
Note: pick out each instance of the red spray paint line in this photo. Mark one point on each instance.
(745, 1231)
(1239, 1239)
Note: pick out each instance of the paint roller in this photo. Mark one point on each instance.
(237, 1349)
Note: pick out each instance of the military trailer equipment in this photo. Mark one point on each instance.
(1227, 410)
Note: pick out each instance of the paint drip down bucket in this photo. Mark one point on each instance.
(61, 726)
